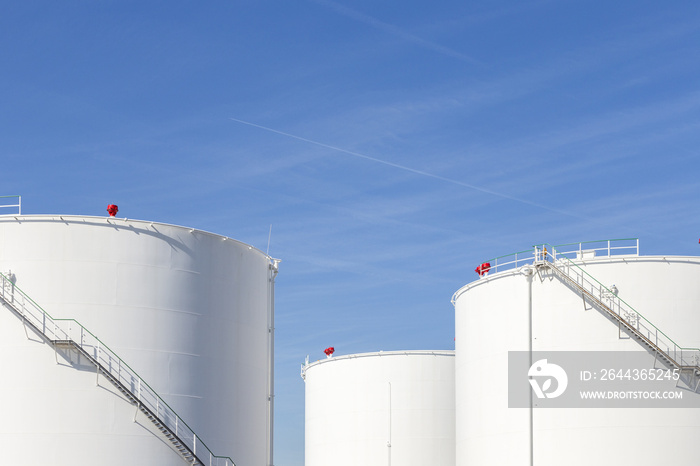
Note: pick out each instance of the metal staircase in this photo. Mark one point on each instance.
(606, 300)
(70, 334)
(559, 259)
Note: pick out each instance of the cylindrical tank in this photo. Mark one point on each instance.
(530, 309)
(191, 312)
(378, 409)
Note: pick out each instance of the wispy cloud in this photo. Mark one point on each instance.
(411, 170)
(395, 31)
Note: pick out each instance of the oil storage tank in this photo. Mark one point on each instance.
(133, 342)
(598, 301)
(378, 409)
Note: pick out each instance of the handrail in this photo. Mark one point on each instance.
(683, 357)
(18, 205)
(612, 247)
(109, 361)
(596, 241)
(609, 247)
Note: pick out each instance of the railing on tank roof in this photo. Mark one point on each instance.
(54, 330)
(599, 248)
(582, 250)
(682, 357)
(4, 205)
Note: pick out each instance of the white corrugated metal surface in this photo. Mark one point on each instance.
(378, 409)
(188, 310)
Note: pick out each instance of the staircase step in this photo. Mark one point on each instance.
(590, 297)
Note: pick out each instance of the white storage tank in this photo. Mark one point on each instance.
(190, 312)
(378, 409)
(528, 306)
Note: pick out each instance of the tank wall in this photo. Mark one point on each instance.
(186, 309)
(493, 317)
(484, 333)
(381, 408)
(56, 410)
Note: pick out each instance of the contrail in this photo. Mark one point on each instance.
(393, 30)
(413, 170)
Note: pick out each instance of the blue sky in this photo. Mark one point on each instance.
(392, 146)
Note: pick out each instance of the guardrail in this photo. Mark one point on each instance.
(582, 250)
(600, 248)
(63, 330)
(3, 205)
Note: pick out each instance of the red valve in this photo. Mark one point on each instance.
(112, 209)
(483, 269)
(329, 351)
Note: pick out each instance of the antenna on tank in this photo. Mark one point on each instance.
(269, 237)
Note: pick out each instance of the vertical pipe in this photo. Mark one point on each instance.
(272, 273)
(529, 272)
(388, 443)
(532, 421)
